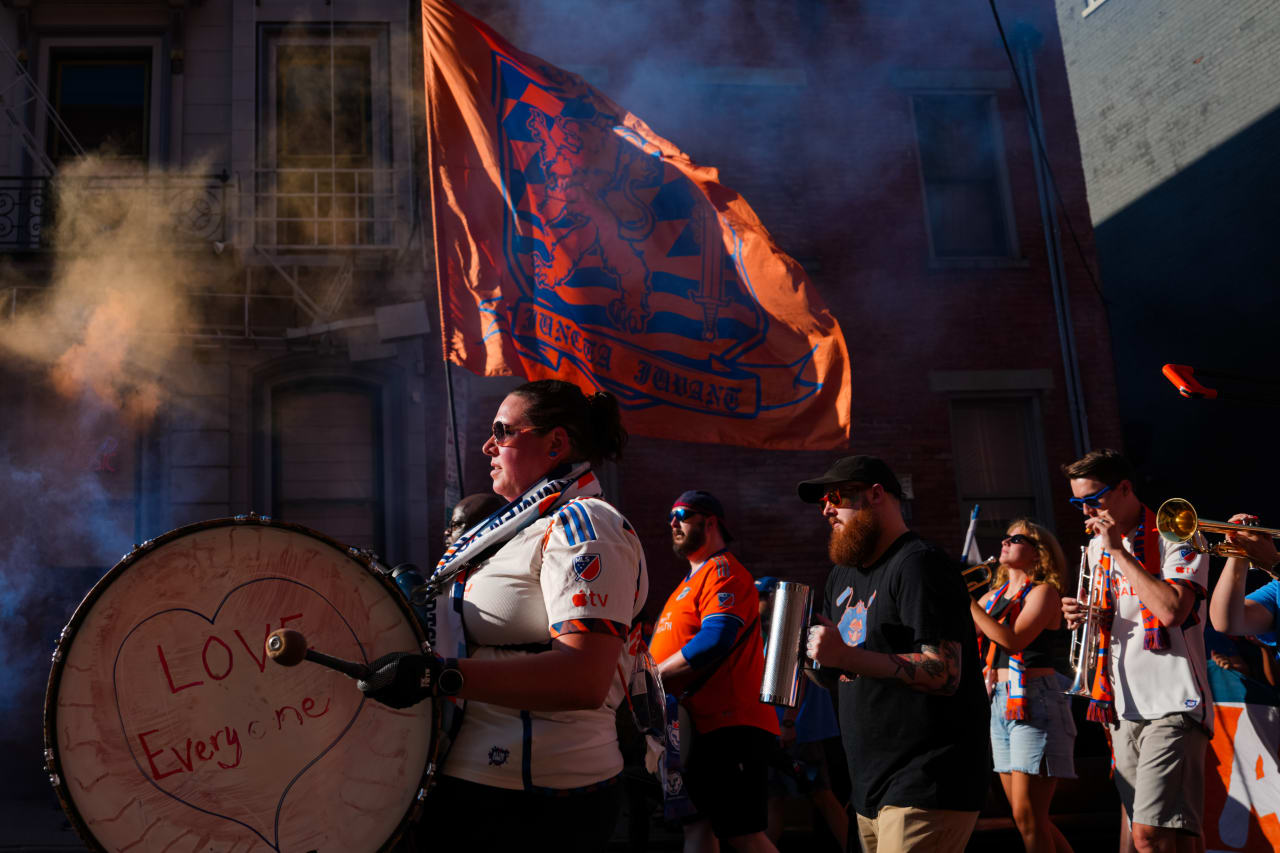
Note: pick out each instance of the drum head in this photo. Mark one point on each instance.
(167, 727)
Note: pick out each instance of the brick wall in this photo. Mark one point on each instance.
(829, 164)
(1176, 108)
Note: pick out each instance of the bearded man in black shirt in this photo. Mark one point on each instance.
(913, 711)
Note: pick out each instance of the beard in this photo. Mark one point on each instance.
(854, 541)
(694, 539)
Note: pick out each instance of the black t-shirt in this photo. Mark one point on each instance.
(907, 748)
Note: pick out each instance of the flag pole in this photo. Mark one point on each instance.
(453, 460)
(969, 551)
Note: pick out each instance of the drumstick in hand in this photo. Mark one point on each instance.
(288, 647)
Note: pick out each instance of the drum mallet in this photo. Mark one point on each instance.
(288, 647)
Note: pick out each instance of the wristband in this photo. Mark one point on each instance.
(450, 679)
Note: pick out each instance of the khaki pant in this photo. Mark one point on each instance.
(1160, 771)
(897, 828)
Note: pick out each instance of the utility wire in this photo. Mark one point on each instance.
(1039, 142)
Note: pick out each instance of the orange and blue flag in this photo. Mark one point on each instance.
(573, 242)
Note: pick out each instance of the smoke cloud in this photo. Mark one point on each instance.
(89, 354)
(104, 326)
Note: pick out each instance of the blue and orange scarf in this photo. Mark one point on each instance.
(1016, 704)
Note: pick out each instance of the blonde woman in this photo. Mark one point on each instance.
(1023, 644)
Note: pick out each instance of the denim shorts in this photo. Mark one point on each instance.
(1044, 743)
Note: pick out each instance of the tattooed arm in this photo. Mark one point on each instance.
(933, 669)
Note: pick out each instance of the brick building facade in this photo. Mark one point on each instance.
(1176, 110)
(819, 115)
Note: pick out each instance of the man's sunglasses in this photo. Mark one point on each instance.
(1019, 539)
(503, 434)
(682, 513)
(843, 496)
(1089, 500)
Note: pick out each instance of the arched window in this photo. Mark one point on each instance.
(327, 459)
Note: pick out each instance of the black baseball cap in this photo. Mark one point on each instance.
(868, 470)
(707, 504)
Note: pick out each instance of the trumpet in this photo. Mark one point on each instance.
(1177, 522)
(1084, 639)
(981, 572)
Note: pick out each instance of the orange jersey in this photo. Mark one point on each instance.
(731, 696)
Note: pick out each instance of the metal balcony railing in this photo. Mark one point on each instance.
(321, 209)
(197, 205)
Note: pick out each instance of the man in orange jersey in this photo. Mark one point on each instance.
(709, 651)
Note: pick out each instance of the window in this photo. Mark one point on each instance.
(104, 96)
(325, 146)
(999, 459)
(961, 165)
(327, 459)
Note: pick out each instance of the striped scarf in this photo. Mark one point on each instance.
(1016, 704)
(1102, 695)
(444, 611)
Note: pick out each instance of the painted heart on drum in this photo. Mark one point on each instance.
(171, 728)
(200, 710)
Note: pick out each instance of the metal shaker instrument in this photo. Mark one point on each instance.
(784, 656)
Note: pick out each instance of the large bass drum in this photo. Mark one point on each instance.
(167, 727)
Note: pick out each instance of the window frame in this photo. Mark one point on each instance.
(158, 89)
(1012, 256)
(373, 35)
(1037, 461)
(375, 227)
(386, 381)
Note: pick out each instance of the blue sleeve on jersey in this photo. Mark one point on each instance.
(717, 635)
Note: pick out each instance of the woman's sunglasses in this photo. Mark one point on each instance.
(503, 434)
(1089, 500)
(1018, 539)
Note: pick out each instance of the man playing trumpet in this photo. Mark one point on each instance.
(1254, 614)
(1151, 689)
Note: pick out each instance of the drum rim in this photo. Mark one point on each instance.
(365, 558)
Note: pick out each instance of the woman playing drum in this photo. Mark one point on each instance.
(1021, 639)
(532, 633)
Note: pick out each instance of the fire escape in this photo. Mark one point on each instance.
(297, 240)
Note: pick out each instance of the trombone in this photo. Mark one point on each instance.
(1177, 522)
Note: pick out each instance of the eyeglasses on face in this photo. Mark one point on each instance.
(845, 495)
(1018, 539)
(503, 434)
(682, 513)
(1089, 500)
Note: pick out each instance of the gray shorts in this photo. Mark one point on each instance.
(1160, 771)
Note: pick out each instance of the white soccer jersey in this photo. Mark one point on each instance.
(1150, 684)
(579, 569)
